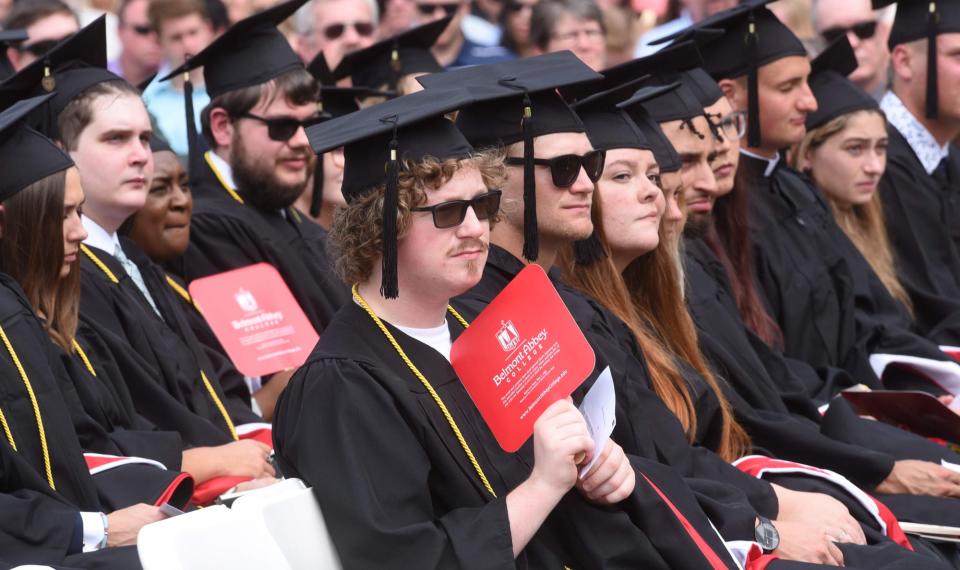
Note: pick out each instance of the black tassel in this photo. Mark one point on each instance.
(932, 110)
(316, 200)
(388, 284)
(753, 88)
(588, 251)
(531, 235)
(194, 160)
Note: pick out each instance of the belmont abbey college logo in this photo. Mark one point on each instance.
(246, 300)
(507, 336)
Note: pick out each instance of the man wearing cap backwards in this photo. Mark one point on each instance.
(259, 163)
(920, 190)
(378, 396)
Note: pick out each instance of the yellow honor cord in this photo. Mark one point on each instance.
(48, 468)
(219, 404)
(6, 430)
(426, 384)
(221, 179)
(99, 263)
(83, 357)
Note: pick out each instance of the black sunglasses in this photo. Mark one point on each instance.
(38, 49)
(566, 168)
(282, 129)
(451, 214)
(334, 31)
(449, 8)
(517, 7)
(863, 30)
(143, 30)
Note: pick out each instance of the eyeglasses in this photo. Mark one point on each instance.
(517, 7)
(143, 30)
(334, 31)
(451, 214)
(863, 30)
(39, 48)
(282, 129)
(565, 169)
(449, 8)
(733, 125)
(590, 33)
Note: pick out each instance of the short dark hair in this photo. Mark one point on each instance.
(546, 14)
(78, 113)
(162, 10)
(296, 86)
(27, 12)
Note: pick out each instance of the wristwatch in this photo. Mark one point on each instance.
(767, 535)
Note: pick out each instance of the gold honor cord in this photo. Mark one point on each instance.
(83, 357)
(178, 289)
(203, 376)
(6, 430)
(426, 384)
(36, 410)
(220, 178)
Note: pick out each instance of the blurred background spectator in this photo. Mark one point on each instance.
(690, 12)
(336, 28)
(867, 31)
(454, 48)
(140, 53)
(575, 25)
(515, 23)
(46, 23)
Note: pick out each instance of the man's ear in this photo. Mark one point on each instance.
(902, 62)
(730, 89)
(221, 127)
(14, 57)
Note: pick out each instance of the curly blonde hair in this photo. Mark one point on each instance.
(356, 235)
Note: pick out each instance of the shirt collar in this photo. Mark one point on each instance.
(771, 162)
(923, 143)
(223, 167)
(98, 237)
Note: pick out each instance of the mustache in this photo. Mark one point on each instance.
(470, 244)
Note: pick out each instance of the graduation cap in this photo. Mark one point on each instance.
(377, 141)
(518, 101)
(836, 95)
(609, 127)
(251, 52)
(333, 101)
(26, 156)
(386, 61)
(74, 65)
(666, 65)
(8, 38)
(926, 19)
(637, 108)
(752, 37)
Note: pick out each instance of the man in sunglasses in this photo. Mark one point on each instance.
(260, 161)
(46, 23)
(140, 56)
(867, 32)
(339, 27)
(453, 48)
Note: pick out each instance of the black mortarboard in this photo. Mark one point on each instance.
(333, 102)
(518, 101)
(378, 139)
(665, 64)
(636, 107)
(74, 65)
(926, 19)
(250, 52)
(609, 127)
(8, 38)
(385, 62)
(836, 95)
(753, 37)
(26, 156)
(704, 87)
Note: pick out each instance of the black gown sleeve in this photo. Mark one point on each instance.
(340, 431)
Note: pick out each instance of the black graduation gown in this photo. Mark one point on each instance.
(397, 488)
(921, 214)
(162, 371)
(778, 415)
(645, 426)
(226, 234)
(832, 308)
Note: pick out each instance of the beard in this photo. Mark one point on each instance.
(257, 181)
(697, 225)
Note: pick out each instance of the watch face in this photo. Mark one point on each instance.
(767, 536)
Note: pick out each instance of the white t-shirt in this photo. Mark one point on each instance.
(437, 338)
